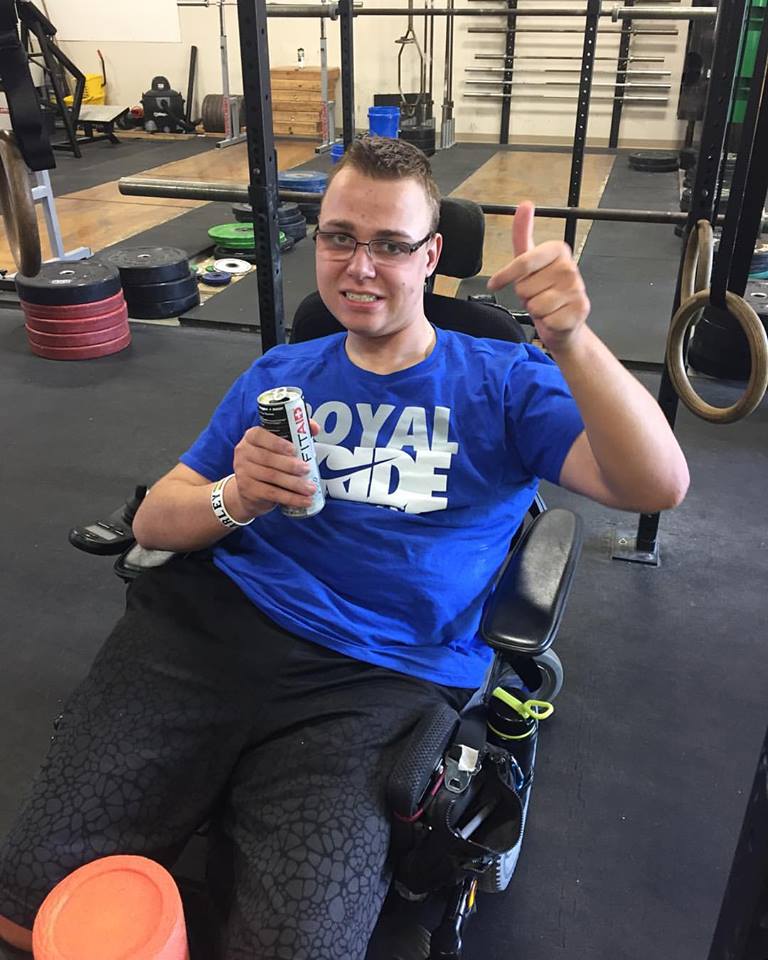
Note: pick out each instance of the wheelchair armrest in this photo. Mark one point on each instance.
(524, 611)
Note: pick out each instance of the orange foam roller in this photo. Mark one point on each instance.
(117, 908)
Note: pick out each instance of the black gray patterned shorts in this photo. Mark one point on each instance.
(199, 707)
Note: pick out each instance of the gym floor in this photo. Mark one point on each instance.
(644, 770)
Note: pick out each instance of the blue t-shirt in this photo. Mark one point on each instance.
(428, 472)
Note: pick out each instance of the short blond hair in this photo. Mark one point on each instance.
(382, 158)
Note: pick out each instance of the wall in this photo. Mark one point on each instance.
(535, 117)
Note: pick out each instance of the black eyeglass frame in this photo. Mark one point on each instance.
(406, 248)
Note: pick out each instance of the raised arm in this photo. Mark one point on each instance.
(627, 457)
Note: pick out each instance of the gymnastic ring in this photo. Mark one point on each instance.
(758, 351)
(18, 208)
(697, 262)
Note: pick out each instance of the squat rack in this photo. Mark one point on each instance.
(262, 160)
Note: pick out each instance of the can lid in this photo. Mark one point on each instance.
(279, 395)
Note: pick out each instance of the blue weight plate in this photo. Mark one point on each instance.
(148, 264)
(214, 278)
(64, 282)
(148, 293)
(306, 181)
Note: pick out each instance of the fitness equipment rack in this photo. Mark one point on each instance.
(745, 205)
(262, 191)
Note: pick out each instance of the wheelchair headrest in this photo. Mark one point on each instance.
(463, 228)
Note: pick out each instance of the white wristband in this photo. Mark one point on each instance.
(220, 511)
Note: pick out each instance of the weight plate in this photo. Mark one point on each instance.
(216, 278)
(660, 167)
(87, 325)
(296, 231)
(232, 266)
(212, 113)
(163, 309)
(82, 353)
(307, 181)
(245, 256)
(654, 156)
(148, 264)
(287, 210)
(68, 282)
(77, 339)
(233, 235)
(311, 211)
(158, 292)
(77, 311)
(295, 218)
(641, 169)
(242, 212)
(687, 157)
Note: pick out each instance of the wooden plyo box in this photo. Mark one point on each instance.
(297, 100)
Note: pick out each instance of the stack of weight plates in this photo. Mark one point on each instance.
(234, 240)
(237, 240)
(420, 135)
(655, 161)
(156, 280)
(305, 181)
(291, 220)
(74, 310)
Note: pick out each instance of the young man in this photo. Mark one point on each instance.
(280, 680)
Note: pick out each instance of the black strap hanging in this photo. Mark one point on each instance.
(23, 104)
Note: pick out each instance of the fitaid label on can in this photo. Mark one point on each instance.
(283, 412)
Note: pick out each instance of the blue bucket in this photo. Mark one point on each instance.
(384, 121)
(337, 152)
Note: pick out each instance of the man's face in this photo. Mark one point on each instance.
(368, 209)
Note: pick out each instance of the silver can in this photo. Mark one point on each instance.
(283, 412)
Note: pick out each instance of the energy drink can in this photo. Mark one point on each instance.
(282, 412)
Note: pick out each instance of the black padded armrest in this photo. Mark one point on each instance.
(524, 611)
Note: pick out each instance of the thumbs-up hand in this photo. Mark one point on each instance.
(547, 281)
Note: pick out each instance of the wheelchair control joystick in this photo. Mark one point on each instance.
(112, 535)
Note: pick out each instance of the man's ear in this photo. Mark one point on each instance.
(434, 248)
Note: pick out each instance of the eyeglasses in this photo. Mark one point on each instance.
(340, 246)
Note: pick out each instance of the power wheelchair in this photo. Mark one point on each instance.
(459, 795)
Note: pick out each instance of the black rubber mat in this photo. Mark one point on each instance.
(237, 306)
(630, 269)
(188, 232)
(643, 770)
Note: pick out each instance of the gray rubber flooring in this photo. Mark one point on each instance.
(643, 770)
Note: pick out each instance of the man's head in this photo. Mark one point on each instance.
(382, 158)
(381, 191)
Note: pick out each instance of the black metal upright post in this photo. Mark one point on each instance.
(582, 115)
(262, 168)
(729, 31)
(740, 932)
(748, 190)
(346, 23)
(509, 67)
(621, 79)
